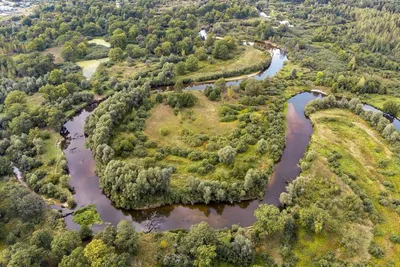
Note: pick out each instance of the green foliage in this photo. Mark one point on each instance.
(137, 185)
(127, 239)
(269, 221)
(181, 100)
(116, 54)
(41, 238)
(76, 258)
(191, 63)
(227, 155)
(64, 243)
(391, 108)
(87, 216)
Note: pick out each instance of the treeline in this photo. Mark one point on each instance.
(100, 123)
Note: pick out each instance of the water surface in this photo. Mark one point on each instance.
(89, 67)
(86, 183)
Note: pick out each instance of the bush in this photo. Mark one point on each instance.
(181, 100)
(227, 155)
(395, 238)
(376, 251)
(164, 131)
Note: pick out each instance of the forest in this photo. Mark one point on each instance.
(195, 105)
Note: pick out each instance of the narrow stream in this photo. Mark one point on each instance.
(86, 183)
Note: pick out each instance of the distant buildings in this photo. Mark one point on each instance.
(13, 8)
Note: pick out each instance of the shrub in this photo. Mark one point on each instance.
(164, 131)
(227, 155)
(181, 100)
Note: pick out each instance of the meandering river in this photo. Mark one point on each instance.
(86, 183)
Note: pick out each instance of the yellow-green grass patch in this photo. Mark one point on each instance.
(246, 57)
(362, 150)
(205, 115)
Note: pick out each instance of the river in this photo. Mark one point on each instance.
(86, 183)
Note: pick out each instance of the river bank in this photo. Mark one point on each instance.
(218, 215)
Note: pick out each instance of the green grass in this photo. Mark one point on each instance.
(35, 100)
(202, 118)
(123, 70)
(362, 149)
(205, 115)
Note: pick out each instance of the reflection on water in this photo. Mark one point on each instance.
(86, 183)
(277, 61)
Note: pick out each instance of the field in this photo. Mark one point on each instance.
(202, 118)
(125, 71)
(372, 166)
(247, 57)
(56, 51)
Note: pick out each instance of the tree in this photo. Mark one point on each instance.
(68, 52)
(116, 54)
(81, 50)
(15, 97)
(55, 77)
(391, 107)
(253, 87)
(192, 63)
(76, 259)
(254, 181)
(85, 232)
(180, 68)
(262, 146)
(127, 238)
(99, 254)
(108, 235)
(221, 50)
(205, 256)
(199, 235)
(42, 239)
(220, 85)
(313, 218)
(119, 39)
(200, 53)
(352, 239)
(104, 153)
(242, 253)
(269, 220)
(30, 207)
(25, 256)
(166, 48)
(65, 243)
(352, 65)
(5, 166)
(227, 155)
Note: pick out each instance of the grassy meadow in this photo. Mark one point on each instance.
(368, 160)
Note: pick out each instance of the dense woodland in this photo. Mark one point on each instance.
(343, 210)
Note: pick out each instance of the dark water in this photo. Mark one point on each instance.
(393, 120)
(277, 61)
(86, 183)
